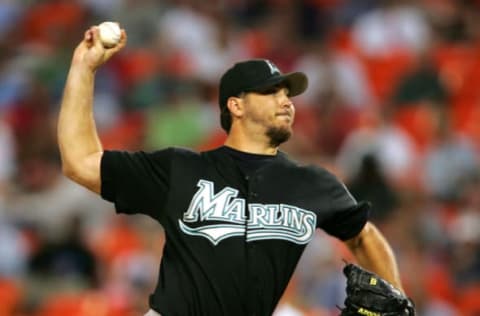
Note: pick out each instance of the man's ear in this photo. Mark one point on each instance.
(235, 106)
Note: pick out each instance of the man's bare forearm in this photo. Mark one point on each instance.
(79, 144)
(77, 134)
(375, 254)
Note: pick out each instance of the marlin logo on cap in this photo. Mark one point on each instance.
(273, 69)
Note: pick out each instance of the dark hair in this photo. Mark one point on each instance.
(225, 119)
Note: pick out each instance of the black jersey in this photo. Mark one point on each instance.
(233, 238)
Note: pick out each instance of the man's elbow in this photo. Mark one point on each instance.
(68, 170)
(73, 173)
(86, 173)
(357, 242)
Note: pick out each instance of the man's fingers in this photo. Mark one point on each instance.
(121, 44)
(88, 37)
(91, 50)
(96, 38)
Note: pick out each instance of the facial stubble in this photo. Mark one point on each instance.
(278, 135)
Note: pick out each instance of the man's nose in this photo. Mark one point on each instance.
(286, 102)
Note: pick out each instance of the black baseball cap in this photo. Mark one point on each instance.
(255, 75)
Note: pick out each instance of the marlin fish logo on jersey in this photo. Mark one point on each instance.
(266, 221)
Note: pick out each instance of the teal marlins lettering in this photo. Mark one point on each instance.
(266, 221)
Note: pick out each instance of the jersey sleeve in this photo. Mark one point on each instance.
(346, 217)
(136, 182)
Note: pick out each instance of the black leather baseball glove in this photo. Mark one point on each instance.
(368, 294)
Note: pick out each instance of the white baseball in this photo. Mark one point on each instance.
(110, 34)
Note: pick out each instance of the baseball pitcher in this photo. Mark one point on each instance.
(237, 218)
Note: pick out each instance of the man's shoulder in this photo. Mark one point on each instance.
(184, 152)
(315, 175)
(194, 156)
(183, 155)
(302, 167)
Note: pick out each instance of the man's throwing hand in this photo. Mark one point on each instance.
(91, 53)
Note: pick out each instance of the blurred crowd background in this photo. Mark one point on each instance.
(392, 109)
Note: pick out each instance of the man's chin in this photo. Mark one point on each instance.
(278, 135)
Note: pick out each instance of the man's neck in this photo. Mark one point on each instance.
(249, 146)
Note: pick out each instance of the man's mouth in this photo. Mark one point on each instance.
(287, 114)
